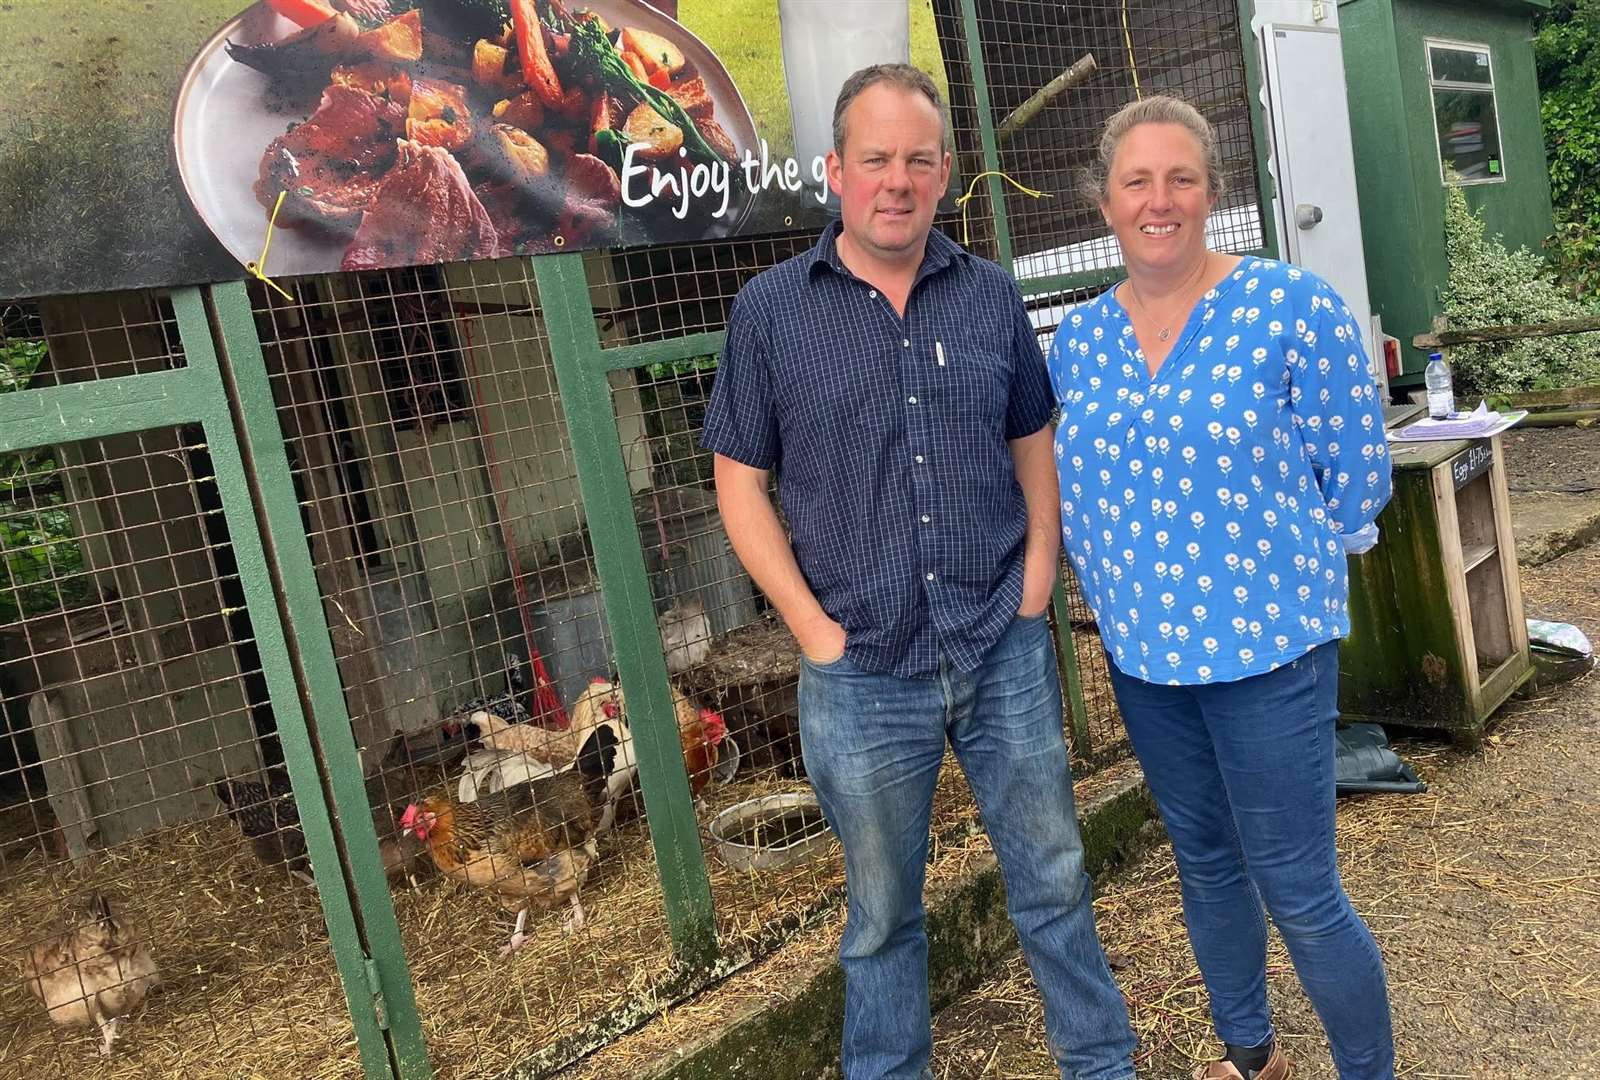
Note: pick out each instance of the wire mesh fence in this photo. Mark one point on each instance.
(153, 879)
(1056, 73)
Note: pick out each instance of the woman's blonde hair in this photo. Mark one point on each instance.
(1160, 109)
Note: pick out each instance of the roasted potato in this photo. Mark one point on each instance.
(525, 111)
(492, 68)
(399, 39)
(438, 114)
(527, 158)
(653, 48)
(376, 77)
(658, 139)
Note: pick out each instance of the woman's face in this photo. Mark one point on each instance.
(1158, 198)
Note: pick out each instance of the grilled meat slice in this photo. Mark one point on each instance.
(332, 165)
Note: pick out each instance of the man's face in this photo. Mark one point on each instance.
(891, 172)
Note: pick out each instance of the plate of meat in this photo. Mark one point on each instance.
(399, 132)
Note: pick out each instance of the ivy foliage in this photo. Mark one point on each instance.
(1566, 52)
(41, 564)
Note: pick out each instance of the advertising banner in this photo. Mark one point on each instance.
(152, 144)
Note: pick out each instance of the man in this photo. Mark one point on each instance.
(895, 382)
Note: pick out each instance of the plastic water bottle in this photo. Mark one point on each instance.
(1441, 397)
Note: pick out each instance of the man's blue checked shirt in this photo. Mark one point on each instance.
(1202, 507)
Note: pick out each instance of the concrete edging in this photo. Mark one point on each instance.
(969, 935)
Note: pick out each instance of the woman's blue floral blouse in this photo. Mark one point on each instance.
(1202, 507)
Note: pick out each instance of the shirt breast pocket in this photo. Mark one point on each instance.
(975, 376)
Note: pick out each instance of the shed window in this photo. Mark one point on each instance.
(1464, 113)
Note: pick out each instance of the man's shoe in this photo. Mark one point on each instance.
(1276, 1068)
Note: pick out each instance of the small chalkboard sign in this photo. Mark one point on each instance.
(1472, 462)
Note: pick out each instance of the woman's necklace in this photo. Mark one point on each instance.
(1184, 306)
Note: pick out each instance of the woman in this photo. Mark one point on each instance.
(1221, 448)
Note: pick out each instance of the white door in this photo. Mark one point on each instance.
(1318, 214)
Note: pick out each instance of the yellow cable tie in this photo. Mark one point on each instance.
(1127, 36)
(972, 190)
(256, 268)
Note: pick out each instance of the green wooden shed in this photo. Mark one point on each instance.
(1434, 82)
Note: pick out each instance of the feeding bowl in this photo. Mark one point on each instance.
(771, 832)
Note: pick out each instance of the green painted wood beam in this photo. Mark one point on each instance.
(1071, 674)
(630, 612)
(1060, 283)
(92, 410)
(238, 460)
(344, 845)
(624, 357)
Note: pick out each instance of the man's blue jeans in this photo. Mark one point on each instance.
(873, 745)
(1243, 775)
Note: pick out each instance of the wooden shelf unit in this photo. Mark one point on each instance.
(1438, 638)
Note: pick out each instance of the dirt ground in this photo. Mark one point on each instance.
(1564, 459)
(1484, 895)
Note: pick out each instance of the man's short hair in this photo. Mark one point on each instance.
(904, 77)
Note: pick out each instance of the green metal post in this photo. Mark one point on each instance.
(1071, 675)
(275, 558)
(580, 365)
(1270, 241)
(991, 146)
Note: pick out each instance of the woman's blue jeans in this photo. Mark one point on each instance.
(1243, 775)
(873, 745)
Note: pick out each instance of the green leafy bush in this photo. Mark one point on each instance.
(41, 565)
(1567, 54)
(1492, 286)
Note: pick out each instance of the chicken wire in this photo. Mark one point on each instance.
(130, 688)
(1136, 48)
(429, 452)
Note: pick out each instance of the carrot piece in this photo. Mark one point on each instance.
(651, 64)
(636, 66)
(661, 79)
(537, 70)
(303, 12)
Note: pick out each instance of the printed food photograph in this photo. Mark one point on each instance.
(446, 130)
(151, 147)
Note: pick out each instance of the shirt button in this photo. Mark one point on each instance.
(919, 459)
(912, 399)
(873, 294)
(926, 519)
(906, 342)
(930, 575)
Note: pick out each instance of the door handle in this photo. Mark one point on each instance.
(1307, 215)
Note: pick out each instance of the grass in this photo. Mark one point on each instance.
(744, 34)
(89, 197)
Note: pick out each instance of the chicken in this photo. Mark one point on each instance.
(685, 633)
(94, 972)
(700, 733)
(267, 815)
(530, 845)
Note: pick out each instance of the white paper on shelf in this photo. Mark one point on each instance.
(1480, 423)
